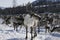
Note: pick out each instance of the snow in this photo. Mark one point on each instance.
(8, 33)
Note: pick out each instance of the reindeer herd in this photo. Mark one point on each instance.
(32, 21)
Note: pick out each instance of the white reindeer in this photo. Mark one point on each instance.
(31, 21)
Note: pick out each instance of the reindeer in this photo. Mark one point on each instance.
(49, 20)
(19, 21)
(56, 23)
(16, 21)
(31, 20)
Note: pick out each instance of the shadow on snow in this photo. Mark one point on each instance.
(55, 34)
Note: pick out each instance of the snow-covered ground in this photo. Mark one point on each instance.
(8, 33)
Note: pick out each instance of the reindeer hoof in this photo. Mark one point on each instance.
(35, 35)
(25, 37)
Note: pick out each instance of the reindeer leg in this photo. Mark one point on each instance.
(26, 32)
(20, 26)
(45, 29)
(31, 33)
(38, 29)
(14, 27)
(49, 30)
(35, 34)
